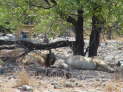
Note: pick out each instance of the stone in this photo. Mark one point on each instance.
(69, 84)
(120, 63)
(9, 37)
(56, 85)
(26, 88)
(2, 70)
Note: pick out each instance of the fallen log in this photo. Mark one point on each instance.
(29, 45)
(7, 47)
(6, 42)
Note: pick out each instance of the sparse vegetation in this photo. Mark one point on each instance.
(114, 86)
(23, 78)
(29, 26)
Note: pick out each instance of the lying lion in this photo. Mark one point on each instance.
(43, 59)
(86, 63)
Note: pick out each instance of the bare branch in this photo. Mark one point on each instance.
(5, 42)
(7, 47)
(28, 45)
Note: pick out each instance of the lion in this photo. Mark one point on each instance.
(85, 63)
(43, 59)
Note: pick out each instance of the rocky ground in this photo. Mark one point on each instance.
(15, 77)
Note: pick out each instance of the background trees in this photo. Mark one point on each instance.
(52, 17)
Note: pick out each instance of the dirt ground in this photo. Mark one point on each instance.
(87, 81)
(31, 78)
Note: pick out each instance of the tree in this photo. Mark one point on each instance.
(52, 13)
(78, 48)
(72, 12)
(97, 24)
(103, 14)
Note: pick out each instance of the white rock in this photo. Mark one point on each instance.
(25, 88)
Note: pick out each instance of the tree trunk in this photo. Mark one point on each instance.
(79, 44)
(78, 48)
(95, 36)
(109, 33)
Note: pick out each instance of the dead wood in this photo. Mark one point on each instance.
(29, 46)
(7, 47)
(35, 46)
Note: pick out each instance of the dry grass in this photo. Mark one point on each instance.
(2, 89)
(23, 78)
(118, 76)
(119, 39)
(115, 85)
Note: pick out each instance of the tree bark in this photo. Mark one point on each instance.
(78, 47)
(28, 45)
(109, 33)
(7, 47)
(5, 42)
(95, 36)
(79, 44)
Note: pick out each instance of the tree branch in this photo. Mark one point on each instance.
(7, 47)
(5, 42)
(28, 45)
(71, 20)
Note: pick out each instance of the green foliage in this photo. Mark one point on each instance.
(16, 12)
